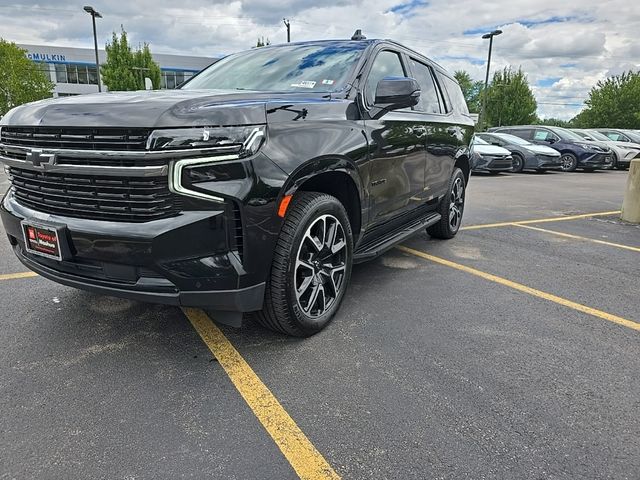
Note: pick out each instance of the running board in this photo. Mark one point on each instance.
(377, 247)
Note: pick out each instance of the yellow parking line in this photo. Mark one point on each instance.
(307, 462)
(540, 220)
(13, 276)
(523, 288)
(578, 237)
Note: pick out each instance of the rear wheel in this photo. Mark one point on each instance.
(569, 162)
(589, 170)
(518, 163)
(451, 208)
(311, 266)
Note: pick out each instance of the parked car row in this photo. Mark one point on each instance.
(541, 148)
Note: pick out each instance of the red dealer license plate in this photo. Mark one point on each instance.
(42, 240)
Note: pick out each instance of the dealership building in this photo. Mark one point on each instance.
(73, 70)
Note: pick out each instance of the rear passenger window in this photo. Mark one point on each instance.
(456, 98)
(386, 64)
(429, 101)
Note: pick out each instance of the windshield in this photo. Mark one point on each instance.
(321, 67)
(479, 141)
(565, 134)
(512, 139)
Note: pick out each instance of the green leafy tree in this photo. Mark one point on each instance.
(126, 69)
(21, 79)
(554, 122)
(143, 60)
(614, 103)
(510, 100)
(471, 89)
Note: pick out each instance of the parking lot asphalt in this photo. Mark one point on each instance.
(509, 352)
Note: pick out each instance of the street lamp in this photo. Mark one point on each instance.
(94, 13)
(490, 36)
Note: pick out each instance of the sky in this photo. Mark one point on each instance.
(565, 48)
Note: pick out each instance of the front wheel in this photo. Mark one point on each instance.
(569, 162)
(518, 163)
(451, 208)
(311, 266)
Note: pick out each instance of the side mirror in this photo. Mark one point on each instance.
(394, 93)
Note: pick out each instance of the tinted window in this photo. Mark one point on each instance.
(492, 139)
(616, 136)
(322, 67)
(386, 64)
(429, 101)
(456, 98)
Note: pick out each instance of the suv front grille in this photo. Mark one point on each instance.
(77, 138)
(132, 199)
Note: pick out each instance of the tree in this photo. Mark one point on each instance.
(553, 122)
(510, 100)
(21, 80)
(125, 69)
(471, 89)
(614, 103)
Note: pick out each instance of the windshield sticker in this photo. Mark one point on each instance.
(328, 82)
(304, 84)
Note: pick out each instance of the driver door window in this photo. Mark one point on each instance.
(544, 136)
(386, 64)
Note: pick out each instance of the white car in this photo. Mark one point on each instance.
(623, 151)
(489, 158)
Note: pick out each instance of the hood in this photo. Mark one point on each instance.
(542, 150)
(489, 149)
(153, 109)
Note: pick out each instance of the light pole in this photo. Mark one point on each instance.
(94, 13)
(486, 78)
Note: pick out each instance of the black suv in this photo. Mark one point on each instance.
(252, 188)
(575, 151)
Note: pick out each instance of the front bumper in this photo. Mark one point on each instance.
(188, 260)
(546, 162)
(488, 163)
(595, 160)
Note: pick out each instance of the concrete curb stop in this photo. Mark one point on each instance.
(631, 202)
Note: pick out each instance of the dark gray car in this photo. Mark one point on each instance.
(526, 155)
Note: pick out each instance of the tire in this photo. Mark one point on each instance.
(298, 261)
(589, 170)
(569, 162)
(452, 203)
(541, 170)
(518, 163)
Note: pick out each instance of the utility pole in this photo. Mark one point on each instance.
(287, 24)
(486, 78)
(91, 11)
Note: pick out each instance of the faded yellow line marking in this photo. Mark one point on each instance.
(13, 276)
(307, 462)
(523, 288)
(540, 220)
(578, 237)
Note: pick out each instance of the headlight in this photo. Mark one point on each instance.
(214, 150)
(243, 141)
(588, 146)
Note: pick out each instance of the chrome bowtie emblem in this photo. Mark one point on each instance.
(40, 159)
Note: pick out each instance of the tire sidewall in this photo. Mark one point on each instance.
(306, 323)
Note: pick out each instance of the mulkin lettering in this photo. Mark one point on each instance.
(46, 57)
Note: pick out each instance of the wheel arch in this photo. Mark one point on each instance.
(334, 176)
